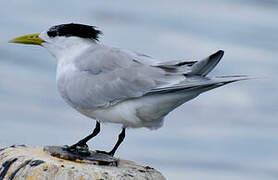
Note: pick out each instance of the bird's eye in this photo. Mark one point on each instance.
(52, 33)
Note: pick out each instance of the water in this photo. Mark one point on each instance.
(227, 133)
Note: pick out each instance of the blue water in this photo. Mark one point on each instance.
(227, 133)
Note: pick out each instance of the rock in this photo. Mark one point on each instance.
(33, 163)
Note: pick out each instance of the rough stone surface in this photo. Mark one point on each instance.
(32, 163)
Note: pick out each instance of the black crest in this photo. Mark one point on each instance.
(79, 30)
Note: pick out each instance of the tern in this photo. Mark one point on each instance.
(115, 85)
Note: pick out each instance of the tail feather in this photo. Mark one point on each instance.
(203, 67)
(219, 81)
(201, 84)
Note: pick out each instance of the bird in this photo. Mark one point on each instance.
(115, 85)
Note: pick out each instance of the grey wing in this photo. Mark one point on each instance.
(108, 76)
(111, 76)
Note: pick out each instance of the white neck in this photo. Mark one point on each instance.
(66, 48)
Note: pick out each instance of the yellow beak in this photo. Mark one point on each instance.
(28, 39)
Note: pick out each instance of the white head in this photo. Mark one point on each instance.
(62, 38)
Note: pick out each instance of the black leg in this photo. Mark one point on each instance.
(82, 144)
(120, 140)
(121, 137)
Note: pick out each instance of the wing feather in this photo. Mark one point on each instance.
(106, 76)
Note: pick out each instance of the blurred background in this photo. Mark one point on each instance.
(227, 133)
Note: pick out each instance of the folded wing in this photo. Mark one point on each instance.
(106, 78)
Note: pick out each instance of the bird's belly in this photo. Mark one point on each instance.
(147, 111)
